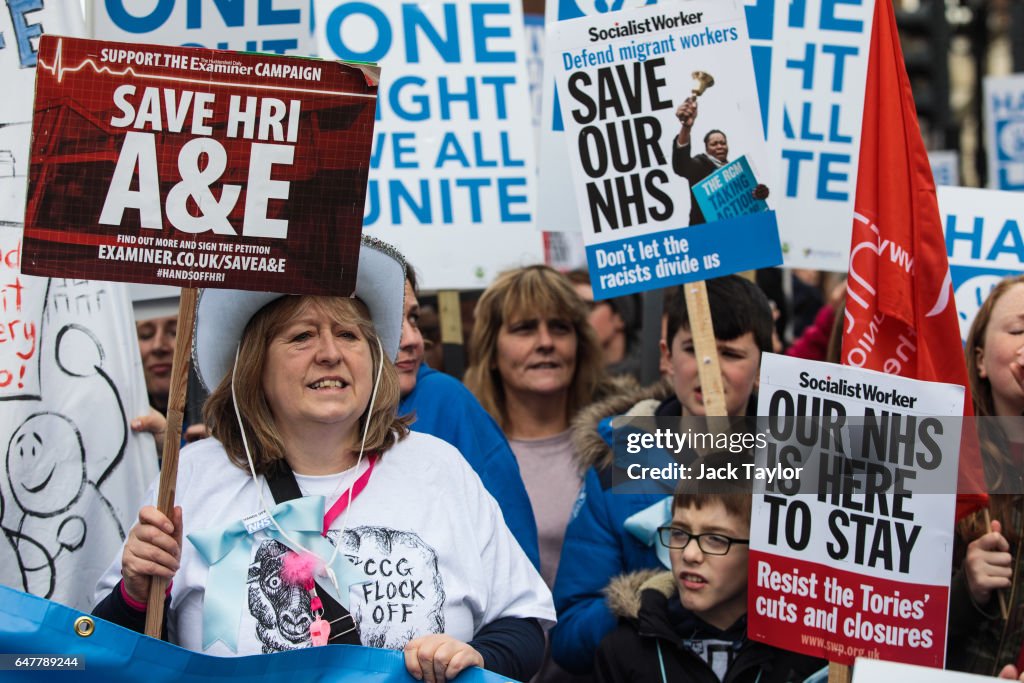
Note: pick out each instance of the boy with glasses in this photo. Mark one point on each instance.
(598, 543)
(690, 624)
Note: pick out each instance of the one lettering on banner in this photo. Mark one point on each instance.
(453, 152)
(280, 27)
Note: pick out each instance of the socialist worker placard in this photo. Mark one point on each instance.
(194, 167)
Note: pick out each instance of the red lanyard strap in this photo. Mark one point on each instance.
(348, 496)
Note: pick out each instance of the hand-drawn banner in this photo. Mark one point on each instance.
(279, 27)
(452, 176)
(194, 167)
(74, 476)
(654, 100)
(853, 558)
(21, 316)
(70, 374)
(984, 243)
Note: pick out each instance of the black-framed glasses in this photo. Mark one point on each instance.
(710, 544)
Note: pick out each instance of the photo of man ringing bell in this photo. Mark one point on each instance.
(726, 194)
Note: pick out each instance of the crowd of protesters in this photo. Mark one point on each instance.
(538, 572)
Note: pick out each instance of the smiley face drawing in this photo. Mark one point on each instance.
(47, 476)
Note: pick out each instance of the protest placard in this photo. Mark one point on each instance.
(729, 192)
(279, 27)
(945, 166)
(452, 177)
(819, 67)
(194, 167)
(1004, 131)
(811, 64)
(630, 85)
(74, 476)
(984, 243)
(851, 556)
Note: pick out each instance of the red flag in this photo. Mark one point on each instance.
(900, 314)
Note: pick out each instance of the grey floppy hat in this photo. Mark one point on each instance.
(222, 314)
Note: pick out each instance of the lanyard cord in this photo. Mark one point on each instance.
(359, 460)
(342, 503)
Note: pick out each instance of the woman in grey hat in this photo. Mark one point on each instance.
(313, 516)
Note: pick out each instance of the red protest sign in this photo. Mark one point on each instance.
(815, 609)
(197, 168)
(850, 554)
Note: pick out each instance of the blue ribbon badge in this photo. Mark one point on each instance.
(228, 552)
(644, 525)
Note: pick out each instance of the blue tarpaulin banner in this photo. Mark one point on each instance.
(32, 626)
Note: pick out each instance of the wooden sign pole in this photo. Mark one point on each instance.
(449, 313)
(705, 348)
(172, 442)
(839, 673)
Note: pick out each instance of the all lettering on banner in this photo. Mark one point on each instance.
(194, 167)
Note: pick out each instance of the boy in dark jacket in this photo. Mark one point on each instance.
(597, 546)
(690, 624)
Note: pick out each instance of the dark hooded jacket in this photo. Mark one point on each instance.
(649, 643)
(596, 547)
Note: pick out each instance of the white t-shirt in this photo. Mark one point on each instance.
(429, 538)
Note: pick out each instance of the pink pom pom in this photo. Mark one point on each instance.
(299, 568)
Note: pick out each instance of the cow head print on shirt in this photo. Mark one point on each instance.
(402, 599)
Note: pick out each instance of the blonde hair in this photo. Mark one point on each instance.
(267, 447)
(530, 292)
